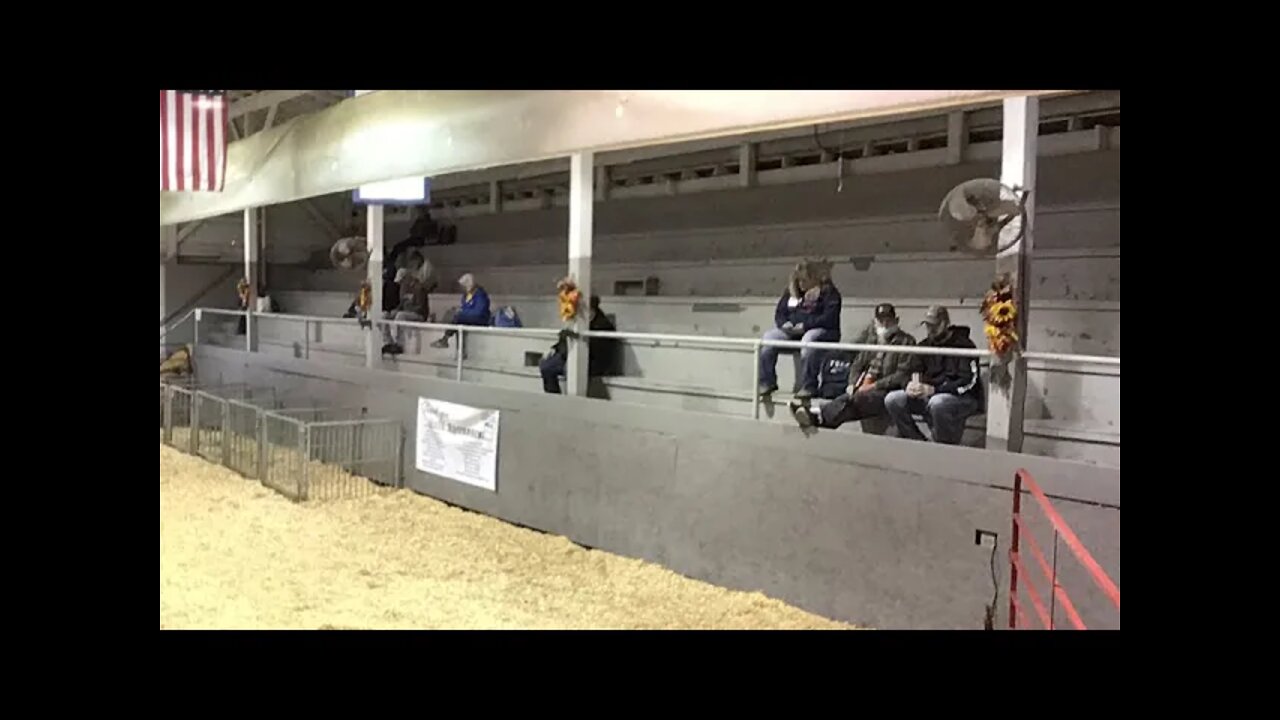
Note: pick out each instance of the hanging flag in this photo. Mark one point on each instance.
(193, 140)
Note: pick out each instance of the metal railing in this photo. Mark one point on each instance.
(302, 453)
(754, 345)
(1018, 569)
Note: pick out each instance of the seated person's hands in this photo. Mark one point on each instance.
(917, 389)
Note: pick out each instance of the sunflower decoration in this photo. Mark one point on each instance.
(364, 303)
(999, 317)
(570, 297)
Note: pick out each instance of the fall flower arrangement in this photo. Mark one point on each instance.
(570, 297)
(999, 318)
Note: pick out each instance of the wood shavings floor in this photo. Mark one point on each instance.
(236, 555)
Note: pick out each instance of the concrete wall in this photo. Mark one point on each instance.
(877, 531)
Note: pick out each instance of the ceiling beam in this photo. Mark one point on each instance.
(388, 135)
(263, 100)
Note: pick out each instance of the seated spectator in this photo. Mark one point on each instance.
(809, 311)
(873, 375)
(944, 389)
(412, 289)
(602, 352)
(474, 309)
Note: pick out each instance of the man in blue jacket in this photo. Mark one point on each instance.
(473, 310)
(809, 311)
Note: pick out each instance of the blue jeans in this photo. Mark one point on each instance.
(552, 367)
(810, 359)
(945, 414)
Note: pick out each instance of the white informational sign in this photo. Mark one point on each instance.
(458, 442)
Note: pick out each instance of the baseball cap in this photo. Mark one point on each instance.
(885, 310)
(936, 314)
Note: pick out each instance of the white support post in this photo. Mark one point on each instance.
(581, 200)
(957, 137)
(495, 196)
(1006, 406)
(251, 260)
(602, 183)
(746, 165)
(373, 234)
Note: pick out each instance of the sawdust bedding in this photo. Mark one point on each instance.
(236, 555)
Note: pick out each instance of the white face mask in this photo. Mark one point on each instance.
(400, 274)
(883, 331)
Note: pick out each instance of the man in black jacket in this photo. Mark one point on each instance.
(601, 358)
(944, 389)
(872, 376)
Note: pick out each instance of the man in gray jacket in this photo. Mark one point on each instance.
(872, 376)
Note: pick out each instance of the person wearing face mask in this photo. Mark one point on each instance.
(872, 376)
(945, 390)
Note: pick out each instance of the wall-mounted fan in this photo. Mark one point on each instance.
(977, 211)
(349, 253)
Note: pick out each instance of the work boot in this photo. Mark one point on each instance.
(765, 390)
(441, 343)
(395, 349)
(804, 394)
(800, 412)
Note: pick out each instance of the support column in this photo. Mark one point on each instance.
(1006, 407)
(495, 196)
(251, 258)
(168, 244)
(957, 137)
(747, 165)
(581, 199)
(373, 236)
(602, 183)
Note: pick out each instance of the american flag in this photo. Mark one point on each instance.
(193, 140)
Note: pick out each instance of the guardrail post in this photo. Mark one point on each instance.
(755, 381)
(226, 433)
(461, 340)
(1013, 552)
(193, 443)
(262, 447)
(304, 431)
(168, 414)
(306, 339)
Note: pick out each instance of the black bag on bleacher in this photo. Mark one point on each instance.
(833, 379)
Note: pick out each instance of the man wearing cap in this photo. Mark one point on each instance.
(872, 376)
(944, 389)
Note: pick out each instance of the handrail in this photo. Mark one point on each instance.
(721, 340)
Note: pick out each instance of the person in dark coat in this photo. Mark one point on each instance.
(872, 376)
(946, 390)
(809, 311)
(602, 352)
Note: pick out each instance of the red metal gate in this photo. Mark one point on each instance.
(1018, 571)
